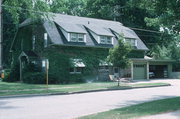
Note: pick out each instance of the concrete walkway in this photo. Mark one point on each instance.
(169, 115)
(76, 105)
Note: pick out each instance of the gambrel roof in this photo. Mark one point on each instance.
(84, 25)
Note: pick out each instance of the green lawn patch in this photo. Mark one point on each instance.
(21, 88)
(144, 109)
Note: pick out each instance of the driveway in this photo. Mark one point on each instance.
(76, 105)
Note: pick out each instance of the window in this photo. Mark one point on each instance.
(76, 37)
(33, 42)
(75, 70)
(45, 39)
(80, 37)
(105, 40)
(131, 41)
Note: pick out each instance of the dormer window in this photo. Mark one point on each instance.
(105, 40)
(131, 41)
(76, 37)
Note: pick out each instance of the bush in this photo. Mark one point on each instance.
(12, 75)
(6, 75)
(39, 78)
(76, 78)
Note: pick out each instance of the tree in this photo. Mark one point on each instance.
(70, 7)
(118, 55)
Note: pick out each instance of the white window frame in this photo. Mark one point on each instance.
(105, 40)
(76, 37)
(131, 41)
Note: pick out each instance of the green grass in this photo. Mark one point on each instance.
(144, 109)
(20, 88)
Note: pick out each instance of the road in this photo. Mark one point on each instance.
(76, 105)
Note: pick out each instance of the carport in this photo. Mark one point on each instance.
(151, 68)
(160, 68)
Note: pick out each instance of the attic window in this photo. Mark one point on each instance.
(76, 37)
(131, 41)
(105, 40)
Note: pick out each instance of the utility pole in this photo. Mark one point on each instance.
(1, 35)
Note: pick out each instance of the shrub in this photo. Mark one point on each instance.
(12, 75)
(6, 75)
(39, 78)
(76, 78)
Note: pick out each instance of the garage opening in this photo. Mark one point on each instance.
(158, 71)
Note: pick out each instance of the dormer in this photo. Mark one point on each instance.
(73, 32)
(101, 35)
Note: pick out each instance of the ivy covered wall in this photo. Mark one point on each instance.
(59, 60)
(59, 56)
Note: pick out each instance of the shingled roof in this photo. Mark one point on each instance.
(85, 25)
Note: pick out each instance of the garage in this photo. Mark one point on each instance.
(158, 71)
(139, 71)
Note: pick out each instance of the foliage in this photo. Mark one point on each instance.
(6, 74)
(71, 7)
(76, 78)
(59, 58)
(118, 55)
(161, 52)
(22, 9)
(166, 13)
(38, 78)
(13, 74)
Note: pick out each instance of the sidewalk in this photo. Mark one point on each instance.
(169, 115)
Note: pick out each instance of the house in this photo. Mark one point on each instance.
(87, 42)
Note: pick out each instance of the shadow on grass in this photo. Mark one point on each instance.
(148, 108)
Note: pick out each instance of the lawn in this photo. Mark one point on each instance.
(21, 88)
(144, 109)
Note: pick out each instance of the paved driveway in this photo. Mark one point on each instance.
(73, 106)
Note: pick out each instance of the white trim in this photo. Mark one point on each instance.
(112, 40)
(45, 39)
(77, 36)
(132, 70)
(98, 39)
(85, 38)
(147, 70)
(136, 42)
(68, 36)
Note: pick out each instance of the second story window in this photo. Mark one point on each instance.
(76, 37)
(45, 39)
(105, 40)
(131, 41)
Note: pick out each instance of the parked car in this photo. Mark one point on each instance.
(151, 75)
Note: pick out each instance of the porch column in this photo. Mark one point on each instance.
(147, 70)
(132, 70)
